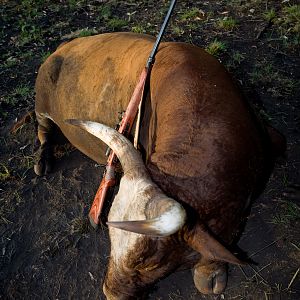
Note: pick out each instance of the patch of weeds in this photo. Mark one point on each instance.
(87, 32)
(288, 24)
(8, 204)
(191, 14)
(45, 55)
(31, 8)
(177, 30)
(277, 83)
(80, 225)
(23, 92)
(227, 23)
(138, 29)
(236, 59)
(29, 34)
(28, 162)
(269, 15)
(289, 212)
(291, 18)
(215, 48)
(116, 23)
(105, 12)
(4, 173)
(27, 54)
(72, 4)
(10, 62)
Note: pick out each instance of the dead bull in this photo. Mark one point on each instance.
(207, 155)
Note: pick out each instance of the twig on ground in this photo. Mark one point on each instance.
(295, 246)
(244, 273)
(258, 251)
(261, 269)
(259, 275)
(293, 278)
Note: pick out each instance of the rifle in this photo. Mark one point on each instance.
(127, 121)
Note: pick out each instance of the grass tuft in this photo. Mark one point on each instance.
(191, 14)
(138, 29)
(270, 15)
(4, 173)
(87, 32)
(216, 48)
(290, 212)
(227, 23)
(291, 18)
(277, 83)
(116, 23)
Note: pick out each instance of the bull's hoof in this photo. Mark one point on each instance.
(210, 279)
(44, 161)
(42, 168)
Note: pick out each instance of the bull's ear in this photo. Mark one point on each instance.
(203, 242)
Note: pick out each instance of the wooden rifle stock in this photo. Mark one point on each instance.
(108, 179)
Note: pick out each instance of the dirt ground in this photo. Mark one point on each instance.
(47, 248)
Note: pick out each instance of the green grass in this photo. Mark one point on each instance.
(87, 32)
(177, 30)
(291, 18)
(138, 29)
(116, 23)
(215, 48)
(45, 55)
(4, 172)
(238, 57)
(270, 15)
(29, 34)
(105, 12)
(11, 62)
(72, 4)
(23, 92)
(289, 212)
(277, 83)
(227, 23)
(288, 26)
(190, 14)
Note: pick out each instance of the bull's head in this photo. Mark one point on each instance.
(156, 236)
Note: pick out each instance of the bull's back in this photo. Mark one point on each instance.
(93, 79)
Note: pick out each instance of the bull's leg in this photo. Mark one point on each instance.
(44, 160)
(210, 278)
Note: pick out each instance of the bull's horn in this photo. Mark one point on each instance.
(126, 153)
(169, 222)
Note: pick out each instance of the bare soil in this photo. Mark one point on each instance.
(47, 248)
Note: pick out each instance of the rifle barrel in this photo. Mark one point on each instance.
(161, 32)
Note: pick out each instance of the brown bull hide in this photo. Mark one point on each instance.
(203, 145)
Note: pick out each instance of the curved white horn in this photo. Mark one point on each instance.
(167, 223)
(126, 153)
